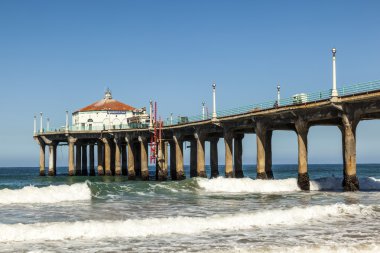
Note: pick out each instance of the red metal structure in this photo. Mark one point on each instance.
(156, 137)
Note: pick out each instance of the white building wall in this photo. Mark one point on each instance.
(98, 120)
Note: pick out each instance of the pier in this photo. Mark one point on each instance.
(124, 151)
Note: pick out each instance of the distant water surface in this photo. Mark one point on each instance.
(112, 214)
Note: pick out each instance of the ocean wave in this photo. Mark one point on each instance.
(47, 194)
(176, 225)
(248, 185)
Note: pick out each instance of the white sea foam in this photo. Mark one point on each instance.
(176, 225)
(48, 194)
(248, 185)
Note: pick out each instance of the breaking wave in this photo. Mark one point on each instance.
(248, 185)
(176, 225)
(48, 194)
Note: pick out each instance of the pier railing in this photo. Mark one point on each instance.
(301, 98)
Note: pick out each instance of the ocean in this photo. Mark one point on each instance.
(112, 214)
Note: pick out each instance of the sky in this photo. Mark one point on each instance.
(62, 55)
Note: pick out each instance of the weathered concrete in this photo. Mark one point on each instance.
(42, 158)
(117, 157)
(193, 158)
(100, 158)
(107, 157)
(124, 170)
(166, 155)
(173, 163)
(131, 160)
(268, 154)
(180, 173)
(71, 142)
(52, 159)
(84, 160)
(302, 130)
(238, 155)
(78, 159)
(350, 120)
(228, 136)
(144, 158)
(261, 129)
(161, 172)
(200, 139)
(214, 157)
(92, 159)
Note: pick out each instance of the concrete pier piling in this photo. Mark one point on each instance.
(200, 139)
(238, 155)
(117, 157)
(71, 141)
(144, 158)
(302, 130)
(350, 120)
(214, 157)
(228, 137)
(180, 173)
(173, 162)
(260, 130)
(52, 159)
(131, 160)
(100, 158)
(161, 170)
(107, 157)
(42, 158)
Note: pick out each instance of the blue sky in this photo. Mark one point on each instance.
(61, 55)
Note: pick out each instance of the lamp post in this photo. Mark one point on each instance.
(203, 110)
(278, 94)
(150, 114)
(67, 120)
(171, 118)
(334, 91)
(214, 102)
(41, 128)
(47, 124)
(35, 125)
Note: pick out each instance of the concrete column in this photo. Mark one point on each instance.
(214, 157)
(78, 159)
(161, 172)
(84, 160)
(131, 161)
(349, 124)
(193, 158)
(144, 158)
(71, 142)
(200, 138)
(180, 173)
(117, 158)
(52, 159)
(42, 158)
(92, 160)
(166, 155)
(302, 129)
(100, 158)
(268, 154)
(228, 153)
(261, 129)
(124, 171)
(173, 163)
(238, 155)
(107, 157)
(112, 154)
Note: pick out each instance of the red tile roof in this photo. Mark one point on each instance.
(107, 105)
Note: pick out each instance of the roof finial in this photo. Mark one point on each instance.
(108, 94)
